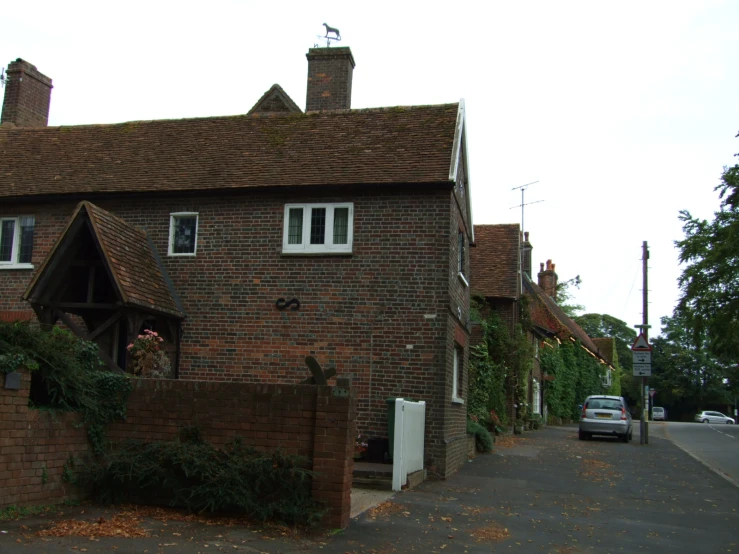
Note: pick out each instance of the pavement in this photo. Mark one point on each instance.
(543, 492)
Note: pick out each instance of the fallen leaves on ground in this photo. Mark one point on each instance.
(386, 509)
(491, 533)
(124, 525)
(506, 441)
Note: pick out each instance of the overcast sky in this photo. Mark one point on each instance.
(624, 112)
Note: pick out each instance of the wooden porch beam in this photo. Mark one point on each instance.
(80, 333)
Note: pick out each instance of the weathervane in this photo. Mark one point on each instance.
(329, 31)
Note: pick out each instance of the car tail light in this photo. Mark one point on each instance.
(584, 407)
(623, 414)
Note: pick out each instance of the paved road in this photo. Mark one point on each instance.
(716, 445)
(545, 492)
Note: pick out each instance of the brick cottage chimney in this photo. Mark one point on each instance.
(526, 255)
(27, 96)
(329, 79)
(548, 280)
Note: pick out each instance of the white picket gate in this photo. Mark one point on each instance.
(410, 427)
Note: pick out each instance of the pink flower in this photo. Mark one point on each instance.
(130, 346)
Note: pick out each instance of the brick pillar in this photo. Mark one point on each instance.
(333, 451)
(329, 79)
(27, 96)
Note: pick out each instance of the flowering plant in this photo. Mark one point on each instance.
(149, 360)
(360, 446)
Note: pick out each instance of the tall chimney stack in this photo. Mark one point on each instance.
(548, 280)
(27, 96)
(329, 79)
(526, 255)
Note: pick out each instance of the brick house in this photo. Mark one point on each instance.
(497, 260)
(252, 241)
(501, 275)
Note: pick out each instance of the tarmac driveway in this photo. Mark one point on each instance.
(544, 492)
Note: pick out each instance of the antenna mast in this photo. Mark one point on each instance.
(523, 189)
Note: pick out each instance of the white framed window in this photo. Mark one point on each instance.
(457, 377)
(536, 398)
(606, 378)
(16, 242)
(183, 233)
(461, 262)
(318, 228)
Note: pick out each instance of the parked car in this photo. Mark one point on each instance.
(659, 414)
(713, 417)
(605, 415)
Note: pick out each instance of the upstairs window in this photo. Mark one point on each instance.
(16, 241)
(457, 375)
(318, 228)
(461, 262)
(183, 233)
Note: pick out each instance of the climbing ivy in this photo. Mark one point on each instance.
(577, 375)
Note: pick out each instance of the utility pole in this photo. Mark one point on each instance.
(644, 425)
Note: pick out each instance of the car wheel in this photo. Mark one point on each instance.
(624, 437)
(704, 421)
(631, 434)
(582, 436)
(729, 422)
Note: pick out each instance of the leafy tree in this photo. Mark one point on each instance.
(565, 296)
(709, 284)
(687, 378)
(606, 326)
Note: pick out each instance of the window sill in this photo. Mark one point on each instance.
(457, 400)
(16, 266)
(188, 255)
(317, 253)
(463, 279)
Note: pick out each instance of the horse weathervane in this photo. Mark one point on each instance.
(329, 31)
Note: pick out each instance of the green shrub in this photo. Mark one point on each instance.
(195, 475)
(483, 439)
(66, 375)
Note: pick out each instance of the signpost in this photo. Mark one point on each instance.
(641, 352)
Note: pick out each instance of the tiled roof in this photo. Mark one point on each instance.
(494, 261)
(547, 314)
(388, 145)
(607, 348)
(139, 276)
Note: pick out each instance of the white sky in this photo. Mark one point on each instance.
(625, 112)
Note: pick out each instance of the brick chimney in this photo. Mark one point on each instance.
(27, 96)
(526, 255)
(548, 279)
(329, 79)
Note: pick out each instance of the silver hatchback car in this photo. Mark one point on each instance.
(605, 415)
(713, 417)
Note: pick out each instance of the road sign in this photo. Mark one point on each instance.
(642, 370)
(641, 357)
(641, 344)
(652, 392)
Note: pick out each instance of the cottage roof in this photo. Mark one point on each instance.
(494, 261)
(136, 270)
(371, 146)
(546, 314)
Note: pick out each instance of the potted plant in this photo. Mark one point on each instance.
(360, 447)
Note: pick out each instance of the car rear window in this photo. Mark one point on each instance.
(604, 404)
(658, 410)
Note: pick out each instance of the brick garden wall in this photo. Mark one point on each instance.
(298, 419)
(386, 314)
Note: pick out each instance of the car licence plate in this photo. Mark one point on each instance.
(603, 416)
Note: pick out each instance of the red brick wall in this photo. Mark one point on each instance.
(298, 419)
(386, 314)
(32, 442)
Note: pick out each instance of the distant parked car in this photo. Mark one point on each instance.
(659, 414)
(714, 417)
(605, 415)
